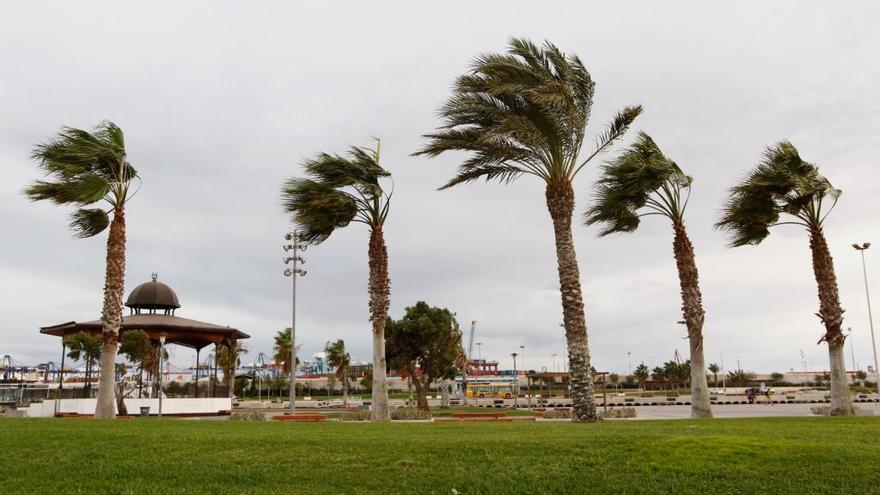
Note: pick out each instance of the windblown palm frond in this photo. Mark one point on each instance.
(337, 190)
(641, 177)
(84, 168)
(524, 112)
(781, 183)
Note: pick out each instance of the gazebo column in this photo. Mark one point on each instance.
(61, 370)
(196, 387)
(214, 382)
(230, 346)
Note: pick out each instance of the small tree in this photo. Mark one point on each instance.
(425, 345)
(714, 369)
(776, 377)
(228, 360)
(136, 349)
(339, 359)
(614, 379)
(282, 349)
(641, 374)
(88, 349)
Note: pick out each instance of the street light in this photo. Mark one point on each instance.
(861, 249)
(480, 351)
(516, 381)
(522, 351)
(297, 245)
(161, 352)
(852, 348)
(629, 363)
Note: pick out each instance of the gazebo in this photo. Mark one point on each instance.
(152, 306)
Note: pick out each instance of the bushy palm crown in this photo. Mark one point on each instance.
(228, 357)
(282, 348)
(524, 112)
(640, 178)
(781, 183)
(337, 357)
(337, 190)
(84, 168)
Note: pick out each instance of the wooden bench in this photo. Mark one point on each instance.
(505, 419)
(309, 417)
(73, 415)
(479, 415)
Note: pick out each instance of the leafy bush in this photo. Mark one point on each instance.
(410, 414)
(356, 416)
(248, 416)
(619, 413)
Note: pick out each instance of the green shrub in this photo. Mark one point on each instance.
(410, 414)
(557, 414)
(356, 416)
(619, 413)
(248, 416)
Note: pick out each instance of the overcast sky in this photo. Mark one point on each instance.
(221, 102)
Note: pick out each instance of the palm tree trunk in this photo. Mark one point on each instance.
(379, 292)
(831, 315)
(421, 394)
(560, 203)
(345, 389)
(111, 315)
(694, 316)
(231, 377)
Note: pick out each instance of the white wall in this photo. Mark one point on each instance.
(169, 406)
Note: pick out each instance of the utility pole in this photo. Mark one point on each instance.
(852, 350)
(516, 382)
(861, 249)
(297, 246)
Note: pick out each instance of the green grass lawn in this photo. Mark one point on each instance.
(790, 455)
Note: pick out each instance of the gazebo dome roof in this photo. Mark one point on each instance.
(152, 295)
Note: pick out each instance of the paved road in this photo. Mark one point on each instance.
(742, 410)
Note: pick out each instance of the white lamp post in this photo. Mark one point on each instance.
(297, 246)
(861, 249)
(161, 352)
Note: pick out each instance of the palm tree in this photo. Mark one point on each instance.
(525, 113)
(714, 369)
(85, 168)
(785, 183)
(338, 358)
(641, 182)
(337, 191)
(282, 350)
(228, 360)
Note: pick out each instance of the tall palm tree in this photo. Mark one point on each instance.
(337, 191)
(640, 182)
(525, 113)
(338, 358)
(84, 168)
(228, 360)
(783, 183)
